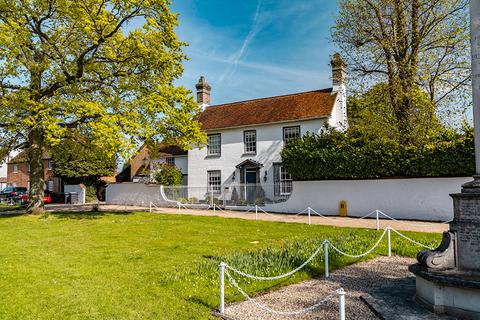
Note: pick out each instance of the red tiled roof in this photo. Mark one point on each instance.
(298, 106)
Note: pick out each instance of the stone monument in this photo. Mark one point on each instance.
(448, 278)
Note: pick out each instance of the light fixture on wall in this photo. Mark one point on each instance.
(233, 176)
(265, 176)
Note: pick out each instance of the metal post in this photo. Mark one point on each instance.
(224, 196)
(389, 242)
(378, 221)
(341, 303)
(309, 219)
(256, 212)
(179, 208)
(150, 206)
(214, 206)
(325, 249)
(211, 198)
(222, 287)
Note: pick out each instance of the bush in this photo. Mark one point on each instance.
(352, 155)
(167, 175)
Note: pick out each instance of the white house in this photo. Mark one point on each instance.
(242, 160)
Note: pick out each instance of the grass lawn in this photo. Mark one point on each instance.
(153, 266)
(6, 207)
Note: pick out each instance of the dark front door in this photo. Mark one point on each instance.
(250, 185)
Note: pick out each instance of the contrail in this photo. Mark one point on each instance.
(253, 32)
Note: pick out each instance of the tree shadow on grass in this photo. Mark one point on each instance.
(88, 215)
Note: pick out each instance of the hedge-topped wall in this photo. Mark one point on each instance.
(336, 155)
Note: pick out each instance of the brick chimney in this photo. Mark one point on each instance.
(203, 92)
(339, 74)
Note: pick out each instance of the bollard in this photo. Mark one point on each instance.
(309, 211)
(341, 303)
(150, 206)
(378, 221)
(179, 208)
(325, 248)
(389, 242)
(222, 287)
(214, 206)
(256, 212)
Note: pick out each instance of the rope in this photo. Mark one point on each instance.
(276, 312)
(411, 240)
(406, 223)
(303, 211)
(321, 215)
(365, 253)
(368, 215)
(279, 276)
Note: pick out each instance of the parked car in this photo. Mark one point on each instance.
(47, 198)
(12, 193)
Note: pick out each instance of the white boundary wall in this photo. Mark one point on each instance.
(138, 194)
(414, 198)
(79, 189)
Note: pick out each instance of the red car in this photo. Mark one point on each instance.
(46, 198)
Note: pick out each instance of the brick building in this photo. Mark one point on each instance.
(18, 171)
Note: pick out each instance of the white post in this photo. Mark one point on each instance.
(341, 303)
(150, 206)
(325, 249)
(222, 287)
(214, 206)
(256, 212)
(309, 219)
(179, 208)
(378, 221)
(211, 197)
(389, 242)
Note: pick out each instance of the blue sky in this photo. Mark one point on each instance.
(256, 48)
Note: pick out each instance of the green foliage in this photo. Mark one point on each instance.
(354, 155)
(103, 67)
(373, 115)
(157, 266)
(167, 175)
(91, 194)
(77, 158)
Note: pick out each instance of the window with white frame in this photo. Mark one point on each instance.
(250, 141)
(15, 168)
(285, 181)
(290, 133)
(170, 161)
(214, 144)
(50, 164)
(214, 180)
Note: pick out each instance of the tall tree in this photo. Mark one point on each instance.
(106, 67)
(408, 44)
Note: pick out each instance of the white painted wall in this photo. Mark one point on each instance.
(79, 189)
(415, 198)
(269, 146)
(130, 193)
(3, 163)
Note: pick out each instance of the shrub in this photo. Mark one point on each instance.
(353, 155)
(167, 175)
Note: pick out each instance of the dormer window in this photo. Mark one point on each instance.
(214, 144)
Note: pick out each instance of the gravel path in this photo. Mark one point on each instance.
(355, 279)
(401, 225)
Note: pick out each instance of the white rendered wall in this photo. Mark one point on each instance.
(269, 146)
(138, 194)
(3, 163)
(79, 189)
(415, 198)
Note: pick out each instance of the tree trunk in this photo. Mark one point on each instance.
(37, 175)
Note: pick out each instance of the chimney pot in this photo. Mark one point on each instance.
(339, 73)
(203, 92)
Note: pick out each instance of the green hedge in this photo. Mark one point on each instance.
(336, 155)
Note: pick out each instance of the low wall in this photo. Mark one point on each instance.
(79, 189)
(138, 194)
(415, 198)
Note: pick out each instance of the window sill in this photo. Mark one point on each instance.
(210, 156)
(249, 154)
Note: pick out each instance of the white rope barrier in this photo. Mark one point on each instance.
(362, 254)
(285, 313)
(251, 276)
(411, 240)
(224, 269)
(407, 223)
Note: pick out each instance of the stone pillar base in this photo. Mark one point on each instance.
(450, 292)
